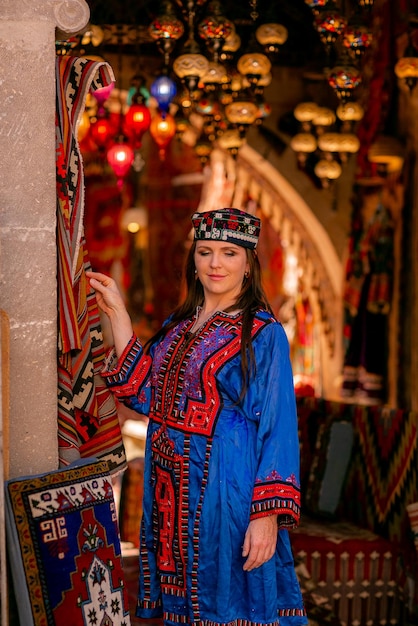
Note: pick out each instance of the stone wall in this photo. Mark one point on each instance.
(27, 221)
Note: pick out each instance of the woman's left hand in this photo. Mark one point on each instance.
(260, 541)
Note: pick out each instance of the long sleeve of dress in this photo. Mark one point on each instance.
(129, 377)
(272, 405)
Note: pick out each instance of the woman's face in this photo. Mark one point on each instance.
(220, 268)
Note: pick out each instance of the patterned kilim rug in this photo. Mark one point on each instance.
(384, 474)
(88, 423)
(64, 548)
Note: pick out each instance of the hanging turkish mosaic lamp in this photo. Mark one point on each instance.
(163, 89)
(350, 112)
(407, 66)
(344, 79)
(165, 30)
(305, 113)
(162, 130)
(231, 140)
(357, 38)
(330, 24)
(214, 29)
(303, 144)
(366, 3)
(323, 119)
(191, 65)
(102, 131)
(120, 157)
(137, 120)
(101, 95)
(271, 36)
(349, 144)
(241, 114)
(388, 153)
(327, 170)
(254, 65)
(316, 4)
(231, 44)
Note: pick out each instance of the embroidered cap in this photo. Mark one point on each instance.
(230, 225)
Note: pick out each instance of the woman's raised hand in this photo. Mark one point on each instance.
(110, 301)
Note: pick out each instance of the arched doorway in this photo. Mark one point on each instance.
(302, 271)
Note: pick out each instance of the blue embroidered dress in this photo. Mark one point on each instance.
(212, 465)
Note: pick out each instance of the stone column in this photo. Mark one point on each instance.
(28, 283)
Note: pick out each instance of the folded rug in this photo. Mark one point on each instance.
(64, 547)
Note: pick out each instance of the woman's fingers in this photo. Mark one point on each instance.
(100, 280)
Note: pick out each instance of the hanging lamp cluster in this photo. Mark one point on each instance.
(326, 137)
(220, 84)
(210, 86)
(346, 36)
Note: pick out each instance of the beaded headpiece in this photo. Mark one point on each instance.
(231, 225)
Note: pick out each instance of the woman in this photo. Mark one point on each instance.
(222, 454)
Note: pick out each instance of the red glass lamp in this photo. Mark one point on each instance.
(102, 131)
(120, 157)
(137, 121)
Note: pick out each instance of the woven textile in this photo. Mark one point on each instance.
(383, 477)
(87, 418)
(315, 417)
(353, 572)
(64, 548)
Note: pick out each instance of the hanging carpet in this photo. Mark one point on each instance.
(87, 418)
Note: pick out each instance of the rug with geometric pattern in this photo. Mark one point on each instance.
(64, 548)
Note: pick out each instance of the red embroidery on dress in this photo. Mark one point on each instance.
(170, 512)
(173, 402)
(165, 496)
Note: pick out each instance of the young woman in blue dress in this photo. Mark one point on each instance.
(221, 487)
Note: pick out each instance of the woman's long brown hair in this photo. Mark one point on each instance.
(250, 299)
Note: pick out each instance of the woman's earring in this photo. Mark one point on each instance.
(246, 274)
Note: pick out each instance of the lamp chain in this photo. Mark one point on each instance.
(254, 10)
